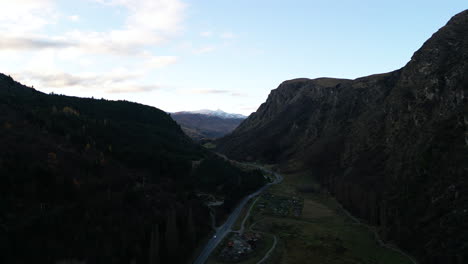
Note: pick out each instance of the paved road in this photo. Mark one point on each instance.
(224, 229)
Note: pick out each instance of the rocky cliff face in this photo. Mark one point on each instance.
(391, 147)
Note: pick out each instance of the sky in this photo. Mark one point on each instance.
(182, 55)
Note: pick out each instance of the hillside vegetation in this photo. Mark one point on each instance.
(103, 181)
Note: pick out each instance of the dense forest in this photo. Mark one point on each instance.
(103, 181)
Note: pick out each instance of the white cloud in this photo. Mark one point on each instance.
(134, 88)
(228, 35)
(25, 16)
(85, 62)
(217, 92)
(154, 15)
(206, 34)
(238, 94)
(31, 43)
(209, 91)
(160, 61)
(114, 82)
(74, 18)
(204, 50)
(159, 15)
(249, 109)
(43, 61)
(122, 42)
(149, 23)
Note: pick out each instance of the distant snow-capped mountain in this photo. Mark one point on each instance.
(218, 113)
(207, 124)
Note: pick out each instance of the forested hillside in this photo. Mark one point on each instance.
(103, 181)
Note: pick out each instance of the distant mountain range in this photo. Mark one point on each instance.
(207, 124)
(218, 113)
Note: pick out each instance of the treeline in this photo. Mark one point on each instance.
(100, 181)
(218, 175)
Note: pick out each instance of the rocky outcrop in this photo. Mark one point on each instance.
(391, 147)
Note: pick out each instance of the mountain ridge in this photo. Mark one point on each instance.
(218, 113)
(380, 142)
(207, 124)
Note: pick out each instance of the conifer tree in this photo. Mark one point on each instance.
(172, 235)
(154, 245)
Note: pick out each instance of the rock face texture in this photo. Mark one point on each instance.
(392, 148)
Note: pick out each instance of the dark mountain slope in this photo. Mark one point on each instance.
(201, 126)
(102, 181)
(392, 147)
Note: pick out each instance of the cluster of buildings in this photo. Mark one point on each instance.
(281, 205)
(239, 247)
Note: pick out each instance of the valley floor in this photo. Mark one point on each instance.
(296, 222)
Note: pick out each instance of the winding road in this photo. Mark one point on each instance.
(225, 228)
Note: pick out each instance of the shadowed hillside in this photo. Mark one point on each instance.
(392, 148)
(103, 181)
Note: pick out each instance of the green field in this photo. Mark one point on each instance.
(323, 233)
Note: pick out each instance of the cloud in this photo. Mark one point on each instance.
(54, 79)
(133, 89)
(238, 94)
(203, 50)
(115, 42)
(227, 35)
(160, 61)
(149, 23)
(112, 83)
(121, 42)
(154, 15)
(190, 47)
(159, 15)
(32, 43)
(74, 18)
(210, 91)
(26, 16)
(206, 34)
(249, 109)
(145, 25)
(215, 91)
